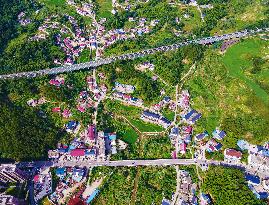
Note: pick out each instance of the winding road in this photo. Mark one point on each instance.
(96, 63)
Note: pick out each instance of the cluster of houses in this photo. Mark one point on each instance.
(86, 99)
(42, 185)
(23, 20)
(126, 5)
(258, 156)
(36, 102)
(90, 145)
(180, 137)
(165, 102)
(90, 98)
(43, 29)
(127, 99)
(258, 159)
(145, 66)
(260, 187)
(122, 92)
(69, 177)
(73, 43)
(86, 9)
(123, 88)
(187, 190)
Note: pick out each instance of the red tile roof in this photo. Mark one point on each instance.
(56, 109)
(77, 152)
(233, 153)
(91, 132)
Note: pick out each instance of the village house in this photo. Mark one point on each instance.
(218, 134)
(123, 88)
(212, 145)
(151, 117)
(259, 161)
(184, 100)
(57, 81)
(90, 135)
(191, 117)
(72, 127)
(205, 199)
(232, 155)
(201, 136)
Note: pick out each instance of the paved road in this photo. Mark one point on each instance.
(134, 55)
(131, 163)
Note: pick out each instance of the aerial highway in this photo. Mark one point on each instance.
(142, 53)
(140, 162)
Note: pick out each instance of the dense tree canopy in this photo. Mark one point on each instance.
(228, 186)
(24, 134)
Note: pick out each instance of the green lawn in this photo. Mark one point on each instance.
(85, 56)
(145, 127)
(105, 8)
(169, 115)
(238, 59)
(130, 136)
(54, 2)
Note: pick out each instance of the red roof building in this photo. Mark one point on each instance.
(183, 148)
(36, 178)
(56, 109)
(91, 132)
(76, 201)
(77, 152)
(232, 154)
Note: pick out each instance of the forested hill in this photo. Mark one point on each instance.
(9, 11)
(24, 134)
(17, 52)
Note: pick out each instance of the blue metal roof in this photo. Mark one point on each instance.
(92, 196)
(262, 195)
(253, 178)
(151, 114)
(218, 146)
(71, 125)
(189, 114)
(165, 120)
(60, 171)
(196, 117)
(166, 98)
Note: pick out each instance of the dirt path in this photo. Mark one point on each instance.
(134, 192)
(183, 79)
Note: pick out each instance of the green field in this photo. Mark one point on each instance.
(53, 2)
(130, 136)
(229, 94)
(238, 58)
(105, 8)
(145, 127)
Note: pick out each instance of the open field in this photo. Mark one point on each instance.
(53, 2)
(130, 136)
(145, 127)
(105, 8)
(239, 58)
(228, 95)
